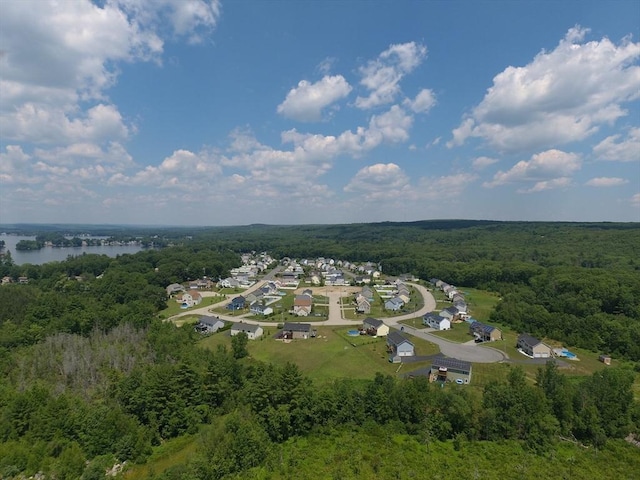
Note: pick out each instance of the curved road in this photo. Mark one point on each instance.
(462, 351)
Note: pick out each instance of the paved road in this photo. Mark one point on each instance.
(469, 351)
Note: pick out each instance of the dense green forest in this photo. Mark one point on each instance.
(91, 377)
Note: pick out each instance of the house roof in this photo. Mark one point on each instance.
(481, 327)
(395, 338)
(302, 301)
(451, 310)
(528, 339)
(297, 327)
(209, 320)
(238, 299)
(374, 322)
(452, 363)
(245, 327)
(434, 317)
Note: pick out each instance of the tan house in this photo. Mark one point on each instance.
(302, 305)
(375, 327)
(533, 347)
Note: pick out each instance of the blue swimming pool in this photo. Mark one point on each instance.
(353, 333)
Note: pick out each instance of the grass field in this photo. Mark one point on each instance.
(173, 307)
(480, 302)
(329, 356)
(173, 452)
(459, 332)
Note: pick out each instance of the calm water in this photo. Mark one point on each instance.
(53, 254)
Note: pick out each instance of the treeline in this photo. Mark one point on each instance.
(72, 404)
(578, 283)
(95, 291)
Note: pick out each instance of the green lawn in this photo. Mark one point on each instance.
(329, 356)
(459, 333)
(480, 302)
(173, 452)
(173, 307)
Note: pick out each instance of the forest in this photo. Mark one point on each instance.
(91, 377)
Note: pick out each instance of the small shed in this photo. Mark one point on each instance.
(606, 359)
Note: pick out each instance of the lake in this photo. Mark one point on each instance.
(58, 254)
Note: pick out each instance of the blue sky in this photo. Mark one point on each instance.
(199, 112)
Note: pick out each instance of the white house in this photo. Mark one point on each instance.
(252, 331)
(433, 320)
(190, 298)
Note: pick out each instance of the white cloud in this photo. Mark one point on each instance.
(382, 76)
(379, 181)
(480, 163)
(306, 102)
(62, 56)
(44, 124)
(561, 96)
(635, 200)
(193, 19)
(627, 150)
(424, 101)
(550, 169)
(392, 126)
(606, 182)
(547, 185)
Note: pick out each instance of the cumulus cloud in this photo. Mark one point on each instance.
(392, 127)
(423, 102)
(547, 185)
(549, 169)
(307, 101)
(606, 182)
(379, 181)
(480, 163)
(62, 56)
(561, 96)
(635, 200)
(614, 149)
(382, 76)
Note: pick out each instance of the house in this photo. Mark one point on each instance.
(23, 280)
(252, 331)
(6, 280)
(398, 346)
(433, 320)
(375, 327)
(362, 305)
(174, 288)
(461, 307)
(228, 283)
(296, 330)
(367, 293)
(394, 304)
(302, 305)
(237, 303)
(485, 333)
(533, 347)
(451, 313)
(445, 369)
(190, 298)
(258, 308)
(208, 324)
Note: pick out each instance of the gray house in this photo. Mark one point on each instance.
(208, 324)
(398, 346)
(292, 330)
